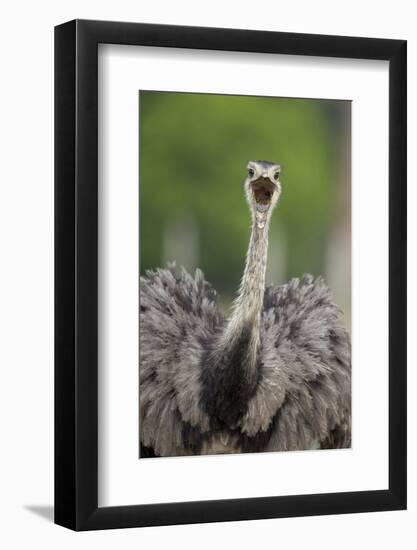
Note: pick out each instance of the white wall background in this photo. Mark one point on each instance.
(26, 286)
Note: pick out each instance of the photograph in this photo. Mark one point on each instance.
(245, 274)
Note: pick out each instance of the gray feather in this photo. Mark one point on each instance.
(303, 391)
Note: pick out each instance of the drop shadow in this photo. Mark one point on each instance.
(45, 512)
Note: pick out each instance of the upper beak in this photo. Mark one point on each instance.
(266, 176)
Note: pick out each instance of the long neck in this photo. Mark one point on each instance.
(248, 305)
(230, 374)
(243, 328)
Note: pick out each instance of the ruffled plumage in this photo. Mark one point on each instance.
(302, 399)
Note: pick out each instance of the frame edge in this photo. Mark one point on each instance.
(65, 259)
(398, 274)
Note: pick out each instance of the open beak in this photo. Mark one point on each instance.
(263, 190)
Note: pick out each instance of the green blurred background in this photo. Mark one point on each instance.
(193, 154)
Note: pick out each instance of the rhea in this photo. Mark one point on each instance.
(273, 376)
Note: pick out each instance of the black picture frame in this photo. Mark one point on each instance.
(76, 272)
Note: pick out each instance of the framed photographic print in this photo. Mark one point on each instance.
(230, 252)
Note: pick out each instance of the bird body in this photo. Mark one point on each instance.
(274, 376)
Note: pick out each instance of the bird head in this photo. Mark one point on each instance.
(263, 189)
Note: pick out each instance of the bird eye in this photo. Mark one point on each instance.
(276, 175)
(251, 172)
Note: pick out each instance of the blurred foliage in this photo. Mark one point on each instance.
(193, 154)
